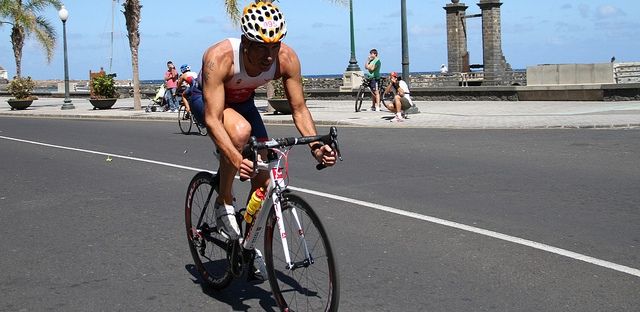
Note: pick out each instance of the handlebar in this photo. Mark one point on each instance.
(251, 149)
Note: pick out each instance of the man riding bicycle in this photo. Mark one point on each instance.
(224, 99)
(185, 82)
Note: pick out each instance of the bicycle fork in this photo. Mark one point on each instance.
(308, 260)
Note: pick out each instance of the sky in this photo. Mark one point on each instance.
(533, 32)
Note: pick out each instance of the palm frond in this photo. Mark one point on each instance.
(232, 10)
(46, 35)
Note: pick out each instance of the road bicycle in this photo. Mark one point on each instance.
(298, 259)
(362, 92)
(186, 120)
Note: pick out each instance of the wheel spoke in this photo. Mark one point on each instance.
(309, 286)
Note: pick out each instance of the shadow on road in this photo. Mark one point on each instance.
(236, 293)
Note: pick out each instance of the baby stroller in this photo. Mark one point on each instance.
(158, 101)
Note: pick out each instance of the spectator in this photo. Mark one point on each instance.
(402, 99)
(373, 68)
(171, 82)
(443, 69)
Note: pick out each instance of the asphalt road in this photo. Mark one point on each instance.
(81, 233)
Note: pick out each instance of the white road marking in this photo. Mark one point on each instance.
(456, 225)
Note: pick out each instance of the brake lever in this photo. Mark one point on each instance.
(252, 155)
(333, 143)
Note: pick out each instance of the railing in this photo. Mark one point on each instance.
(465, 78)
(626, 72)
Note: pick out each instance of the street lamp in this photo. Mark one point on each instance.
(405, 42)
(64, 14)
(353, 63)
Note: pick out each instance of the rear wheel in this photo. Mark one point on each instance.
(202, 129)
(184, 120)
(208, 247)
(360, 98)
(311, 283)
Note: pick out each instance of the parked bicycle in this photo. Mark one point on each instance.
(298, 259)
(186, 120)
(362, 92)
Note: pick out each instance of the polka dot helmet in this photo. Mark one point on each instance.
(185, 68)
(263, 22)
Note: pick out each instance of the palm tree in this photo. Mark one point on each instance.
(132, 11)
(26, 22)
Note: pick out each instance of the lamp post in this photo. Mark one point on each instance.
(64, 14)
(405, 42)
(353, 63)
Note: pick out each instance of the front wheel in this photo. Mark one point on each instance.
(208, 247)
(360, 98)
(184, 120)
(310, 281)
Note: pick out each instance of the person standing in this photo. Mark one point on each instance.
(373, 68)
(171, 84)
(443, 69)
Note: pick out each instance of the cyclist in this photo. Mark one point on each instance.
(186, 80)
(402, 99)
(223, 99)
(373, 68)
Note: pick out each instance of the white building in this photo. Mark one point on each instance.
(3, 73)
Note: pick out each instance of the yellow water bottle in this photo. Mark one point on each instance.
(254, 204)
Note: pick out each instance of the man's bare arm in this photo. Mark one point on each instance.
(215, 68)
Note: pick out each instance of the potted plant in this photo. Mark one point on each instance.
(20, 88)
(279, 103)
(104, 93)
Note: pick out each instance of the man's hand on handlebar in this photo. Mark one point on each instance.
(325, 155)
(246, 169)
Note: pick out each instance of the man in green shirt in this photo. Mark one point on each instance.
(373, 66)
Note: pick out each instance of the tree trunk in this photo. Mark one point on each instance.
(131, 12)
(17, 40)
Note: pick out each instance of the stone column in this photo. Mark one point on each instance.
(458, 56)
(493, 60)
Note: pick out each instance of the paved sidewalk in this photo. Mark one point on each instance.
(433, 114)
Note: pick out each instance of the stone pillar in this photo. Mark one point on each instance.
(494, 62)
(458, 56)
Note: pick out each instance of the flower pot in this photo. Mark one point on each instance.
(102, 103)
(280, 106)
(19, 104)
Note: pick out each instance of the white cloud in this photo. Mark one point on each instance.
(206, 20)
(427, 30)
(584, 10)
(608, 11)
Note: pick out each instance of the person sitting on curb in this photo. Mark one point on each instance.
(402, 99)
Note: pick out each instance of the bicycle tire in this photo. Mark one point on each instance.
(202, 129)
(297, 290)
(208, 248)
(184, 121)
(360, 98)
(381, 87)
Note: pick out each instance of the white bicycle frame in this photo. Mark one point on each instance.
(277, 185)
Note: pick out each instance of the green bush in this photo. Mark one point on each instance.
(104, 87)
(20, 88)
